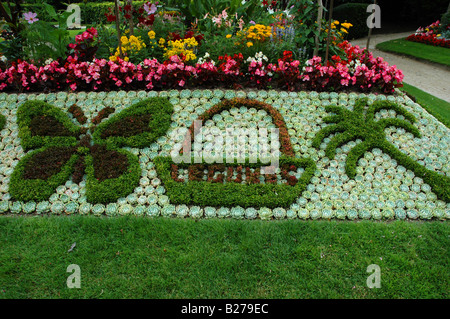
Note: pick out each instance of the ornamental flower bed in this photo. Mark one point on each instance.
(224, 49)
(358, 156)
(435, 34)
(359, 71)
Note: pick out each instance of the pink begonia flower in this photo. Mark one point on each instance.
(93, 31)
(30, 17)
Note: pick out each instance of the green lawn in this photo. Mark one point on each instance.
(440, 109)
(417, 50)
(131, 257)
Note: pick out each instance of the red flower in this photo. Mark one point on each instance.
(110, 17)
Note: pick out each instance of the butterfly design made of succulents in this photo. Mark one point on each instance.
(62, 150)
(360, 123)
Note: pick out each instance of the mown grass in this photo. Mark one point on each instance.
(417, 50)
(130, 257)
(440, 109)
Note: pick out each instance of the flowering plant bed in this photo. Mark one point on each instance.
(432, 35)
(359, 71)
(402, 172)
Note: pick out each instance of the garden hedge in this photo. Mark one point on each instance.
(94, 12)
(356, 14)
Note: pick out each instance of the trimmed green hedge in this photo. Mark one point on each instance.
(112, 189)
(206, 193)
(37, 189)
(28, 110)
(354, 13)
(160, 109)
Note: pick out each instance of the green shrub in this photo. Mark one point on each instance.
(445, 21)
(94, 12)
(354, 13)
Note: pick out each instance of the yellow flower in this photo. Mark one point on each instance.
(228, 36)
(182, 46)
(151, 34)
(347, 25)
(113, 58)
(249, 44)
(258, 32)
(344, 30)
(124, 39)
(126, 59)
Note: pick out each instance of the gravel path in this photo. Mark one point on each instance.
(428, 77)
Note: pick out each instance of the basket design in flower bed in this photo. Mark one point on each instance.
(65, 150)
(257, 190)
(357, 124)
(385, 184)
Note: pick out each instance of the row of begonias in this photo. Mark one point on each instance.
(431, 35)
(360, 71)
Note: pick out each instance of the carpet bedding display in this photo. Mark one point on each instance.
(339, 155)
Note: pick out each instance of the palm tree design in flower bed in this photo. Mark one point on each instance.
(64, 150)
(222, 183)
(360, 124)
